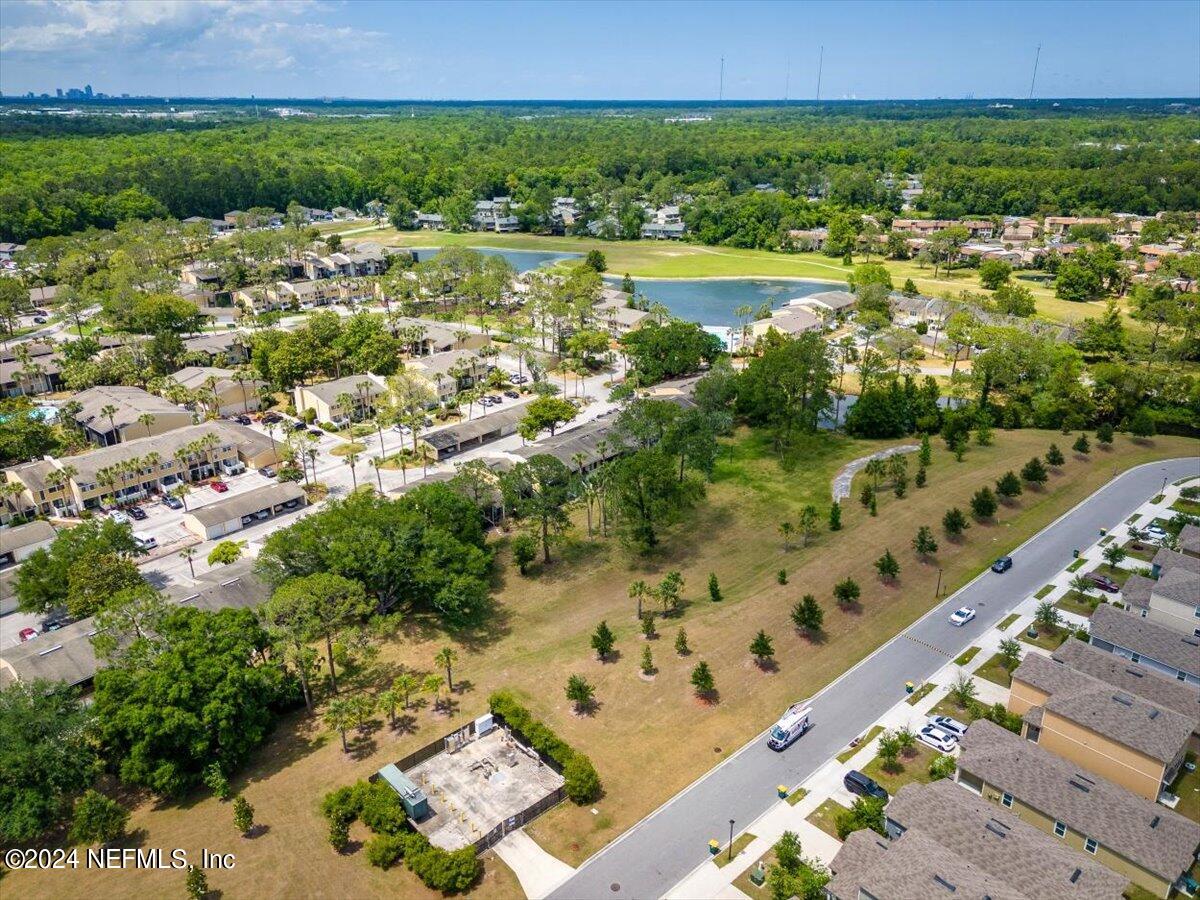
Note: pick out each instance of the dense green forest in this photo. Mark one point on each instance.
(58, 179)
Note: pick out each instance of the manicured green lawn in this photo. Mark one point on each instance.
(909, 769)
(740, 843)
(1077, 565)
(1119, 575)
(1080, 604)
(1189, 507)
(826, 815)
(850, 751)
(1186, 787)
(947, 707)
(995, 671)
(920, 693)
(796, 796)
(1144, 552)
(1042, 592)
(1047, 640)
(743, 882)
(1007, 621)
(966, 656)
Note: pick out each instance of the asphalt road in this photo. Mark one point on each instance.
(650, 858)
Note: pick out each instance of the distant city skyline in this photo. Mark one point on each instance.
(599, 51)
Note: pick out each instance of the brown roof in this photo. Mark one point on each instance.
(1179, 584)
(1131, 677)
(997, 841)
(1126, 718)
(1167, 560)
(1145, 638)
(1189, 538)
(1150, 835)
(1136, 591)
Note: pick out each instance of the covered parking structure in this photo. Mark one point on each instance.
(446, 442)
(235, 513)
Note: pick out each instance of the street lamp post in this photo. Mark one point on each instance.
(731, 839)
(938, 590)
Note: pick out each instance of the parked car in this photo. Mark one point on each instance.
(136, 512)
(27, 634)
(791, 725)
(119, 517)
(937, 738)
(316, 431)
(145, 541)
(863, 785)
(1103, 582)
(39, 320)
(299, 425)
(1002, 565)
(219, 486)
(271, 418)
(267, 472)
(1155, 532)
(955, 727)
(172, 502)
(512, 395)
(242, 420)
(962, 615)
(518, 379)
(56, 622)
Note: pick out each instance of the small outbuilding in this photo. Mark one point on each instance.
(232, 514)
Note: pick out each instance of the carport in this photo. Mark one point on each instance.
(235, 513)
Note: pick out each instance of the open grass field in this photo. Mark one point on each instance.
(674, 259)
(539, 636)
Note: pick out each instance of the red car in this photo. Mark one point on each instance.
(220, 487)
(27, 634)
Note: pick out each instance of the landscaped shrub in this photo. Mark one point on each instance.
(381, 810)
(581, 781)
(384, 849)
(438, 869)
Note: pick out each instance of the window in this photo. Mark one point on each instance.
(1196, 632)
(1006, 800)
(1090, 845)
(1136, 657)
(1196, 612)
(1181, 676)
(1060, 830)
(1145, 613)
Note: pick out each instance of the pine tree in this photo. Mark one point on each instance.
(887, 566)
(925, 457)
(1033, 472)
(714, 588)
(1081, 445)
(781, 576)
(1141, 426)
(243, 814)
(983, 503)
(866, 495)
(924, 543)
(900, 486)
(807, 615)
(835, 516)
(702, 679)
(983, 433)
(196, 883)
(602, 640)
(1009, 485)
(1104, 435)
(647, 661)
(762, 648)
(921, 477)
(954, 522)
(580, 692)
(874, 506)
(648, 626)
(681, 643)
(1054, 456)
(846, 592)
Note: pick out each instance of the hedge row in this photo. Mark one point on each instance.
(580, 779)
(379, 808)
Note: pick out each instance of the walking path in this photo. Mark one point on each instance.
(844, 478)
(653, 857)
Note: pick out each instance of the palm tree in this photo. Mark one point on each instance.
(433, 685)
(339, 716)
(110, 411)
(376, 463)
(146, 420)
(180, 492)
(406, 684)
(638, 591)
(352, 461)
(389, 699)
(446, 657)
(152, 461)
(189, 553)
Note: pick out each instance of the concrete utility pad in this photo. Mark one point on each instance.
(476, 788)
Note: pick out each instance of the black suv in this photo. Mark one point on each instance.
(858, 783)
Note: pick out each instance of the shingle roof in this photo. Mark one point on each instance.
(1179, 584)
(21, 536)
(1136, 591)
(1128, 719)
(912, 866)
(1000, 843)
(443, 362)
(1146, 638)
(1189, 538)
(251, 501)
(832, 299)
(1131, 677)
(1150, 835)
(474, 428)
(248, 442)
(130, 402)
(329, 391)
(1167, 560)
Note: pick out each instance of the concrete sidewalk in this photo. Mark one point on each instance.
(538, 871)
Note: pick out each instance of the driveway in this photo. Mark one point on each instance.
(650, 858)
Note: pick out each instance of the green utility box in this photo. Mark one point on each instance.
(416, 804)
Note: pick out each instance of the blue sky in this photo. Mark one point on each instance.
(600, 50)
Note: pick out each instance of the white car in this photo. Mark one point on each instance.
(1155, 533)
(953, 726)
(962, 615)
(119, 517)
(937, 738)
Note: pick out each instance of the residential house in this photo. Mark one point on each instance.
(808, 238)
(1062, 224)
(449, 372)
(1154, 646)
(137, 468)
(1119, 735)
(1137, 838)
(1189, 539)
(327, 398)
(977, 228)
(228, 515)
(1171, 597)
(19, 541)
(495, 215)
(482, 429)
(203, 275)
(430, 221)
(790, 320)
(227, 348)
(1020, 231)
(221, 392)
(8, 250)
(43, 296)
(111, 414)
(423, 337)
(1024, 860)
(663, 231)
(826, 304)
(614, 311)
(349, 264)
(37, 375)
(67, 655)
(343, 212)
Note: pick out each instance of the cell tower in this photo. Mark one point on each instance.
(787, 78)
(820, 68)
(1036, 59)
(721, 88)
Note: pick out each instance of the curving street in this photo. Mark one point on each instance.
(650, 858)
